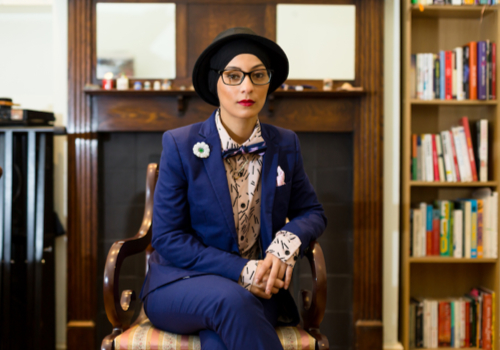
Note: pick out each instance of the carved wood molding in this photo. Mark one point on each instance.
(368, 150)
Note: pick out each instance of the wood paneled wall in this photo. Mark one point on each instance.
(198, 22)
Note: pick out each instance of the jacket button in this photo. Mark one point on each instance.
(287, 252)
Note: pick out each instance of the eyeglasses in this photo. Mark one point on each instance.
(235, 77)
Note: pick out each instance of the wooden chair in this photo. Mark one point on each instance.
(120, 307)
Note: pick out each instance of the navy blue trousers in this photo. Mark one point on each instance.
(225, 315)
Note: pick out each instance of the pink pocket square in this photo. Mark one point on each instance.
(280, 179)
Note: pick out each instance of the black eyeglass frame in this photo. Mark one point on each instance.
(269, 71)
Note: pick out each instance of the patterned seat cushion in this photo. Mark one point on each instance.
(145, 336)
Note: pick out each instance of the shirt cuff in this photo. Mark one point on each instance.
(286, 247)
(247, 275)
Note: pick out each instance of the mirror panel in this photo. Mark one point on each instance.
(136, 39)
(319, 40)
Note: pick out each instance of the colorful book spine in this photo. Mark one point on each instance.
(437, 77)
(493, 90)
(480, 227)
(414, 159)
(481, 70)
(448, 156)
(444, 231)
(435, 163)
(459, 74)
(466, 72)
(428, 239)
(435, 231)
(440, 157)
(482, 137)
(455, 160)
(448, 79)
(442, 74)
(473, 70)
(470, 149)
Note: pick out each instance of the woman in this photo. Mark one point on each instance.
(225, 189)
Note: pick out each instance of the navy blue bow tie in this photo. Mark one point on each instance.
(257, 148)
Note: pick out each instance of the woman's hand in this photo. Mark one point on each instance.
(259, 289)
(276, 268)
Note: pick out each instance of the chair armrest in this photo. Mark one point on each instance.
(314, 303)
(120, 309)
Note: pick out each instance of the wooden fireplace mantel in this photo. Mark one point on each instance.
(92, 112)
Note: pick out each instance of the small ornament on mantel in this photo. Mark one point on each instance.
(147, 85)
(327, 84)
(157, 85)
(167, 85)
(122, 82)
(137, 85)
(349, 87)
(107, 81)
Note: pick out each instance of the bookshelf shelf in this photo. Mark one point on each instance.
(450, 11)
(445, 260)
(452, 184)
(454, 102)
(443, 27)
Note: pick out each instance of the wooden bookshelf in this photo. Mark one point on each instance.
(431, 30)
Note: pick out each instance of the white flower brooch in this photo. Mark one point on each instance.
(201, 150)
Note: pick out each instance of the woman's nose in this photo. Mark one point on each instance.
(246, 85)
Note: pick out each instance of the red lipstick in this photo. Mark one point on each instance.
(246, 103)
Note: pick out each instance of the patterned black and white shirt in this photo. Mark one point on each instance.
(243, 174)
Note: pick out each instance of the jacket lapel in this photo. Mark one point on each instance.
(268, 180)
(217, 174)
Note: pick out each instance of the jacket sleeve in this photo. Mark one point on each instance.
(173, 236)
(306, 214)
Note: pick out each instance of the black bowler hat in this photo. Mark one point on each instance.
(277, 58)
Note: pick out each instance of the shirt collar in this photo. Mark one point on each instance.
(227, 142)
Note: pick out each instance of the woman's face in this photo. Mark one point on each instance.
(236, 101)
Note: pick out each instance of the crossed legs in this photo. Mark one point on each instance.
(227, 316)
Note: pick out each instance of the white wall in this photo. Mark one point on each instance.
(391, 173)
(34, 74)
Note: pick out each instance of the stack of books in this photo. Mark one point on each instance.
(452, 155)
(463, 322)
(455, 2)
(464, 73)
(464, 228)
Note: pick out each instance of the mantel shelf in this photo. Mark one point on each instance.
(278, 93)
(182, 94)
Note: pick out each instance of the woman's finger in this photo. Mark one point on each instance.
(288, 277)
(262, 267)
(272, 276)
(279, 283)
(283, 267)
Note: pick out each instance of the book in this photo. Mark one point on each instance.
(454, 75)
(435, 231)
(467, 228)
(429, 216)
(480, 228)
(482, 138)
(466, 72)
(462, 154)
(454, 154)
(423, 229)
(414, 159)
(448, 156)
(481, 71)
(448, 78)
(494, 225)
(493, 60)
(413, 76)
(439, 151)
(444, 339)
(459, 73)
(457, 233)
(427, 149)
(470, 148)
(441, 74)
(416, 229)
(473, 70)
(444, 207)
(435, 163)
(437, 77)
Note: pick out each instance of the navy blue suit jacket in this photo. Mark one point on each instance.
(193, 225)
